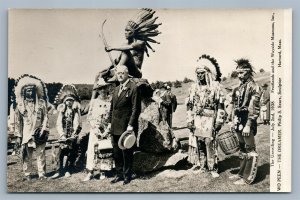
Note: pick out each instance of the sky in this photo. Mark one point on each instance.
(59, 45)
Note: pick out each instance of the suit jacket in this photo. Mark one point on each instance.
(125, 109)
(166, 105)
(174, 101)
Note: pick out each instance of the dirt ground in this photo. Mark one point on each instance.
(179, 179)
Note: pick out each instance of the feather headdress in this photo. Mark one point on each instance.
(22, 83)
(26, 81)
(144, 27)
(211, 65)
(66, 92)
(244, 64)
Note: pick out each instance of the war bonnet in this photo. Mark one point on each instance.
(65, 93)
(26, 81)
(210, 65)
(144, 27)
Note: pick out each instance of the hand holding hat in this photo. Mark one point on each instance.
(127, 139)
(129, 128)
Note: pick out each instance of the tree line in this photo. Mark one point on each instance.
(85, 90)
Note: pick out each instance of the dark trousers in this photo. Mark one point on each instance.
(70, 152)
(81, 149)
(123, 159)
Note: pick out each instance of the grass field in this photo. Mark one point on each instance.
(179, 179)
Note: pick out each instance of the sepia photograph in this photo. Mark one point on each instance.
(149, 100)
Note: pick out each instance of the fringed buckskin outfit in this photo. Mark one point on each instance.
(205, 115)
(30, 121)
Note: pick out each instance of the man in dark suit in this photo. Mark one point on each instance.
(124, 113)
(166, 105)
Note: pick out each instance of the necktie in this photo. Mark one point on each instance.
(121, 88)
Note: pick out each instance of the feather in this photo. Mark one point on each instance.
(244, 63)
(148, 29)
(142, 16)
(212, 64)
(146, 51)
(27, 80)
(146, 16)
(67, 91)
(148, 45)
(144, 26)
(151, 34)
(61, 107)
(147, 23)
(151, 40)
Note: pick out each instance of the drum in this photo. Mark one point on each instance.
(228, 142)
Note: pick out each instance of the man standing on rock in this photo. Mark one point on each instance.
(205, 116)
(246, 100)
(124, 114)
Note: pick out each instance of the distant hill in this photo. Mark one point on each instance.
(182, 92)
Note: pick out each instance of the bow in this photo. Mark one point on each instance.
(105, 43)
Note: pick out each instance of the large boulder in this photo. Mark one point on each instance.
(144, 87)
(154, 136)
(147, 162)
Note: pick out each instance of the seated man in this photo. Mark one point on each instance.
(137, 33)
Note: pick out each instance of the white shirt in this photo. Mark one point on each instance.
(122, 86)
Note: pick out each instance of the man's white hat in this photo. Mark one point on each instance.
(127, 140)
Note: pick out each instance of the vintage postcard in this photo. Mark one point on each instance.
(149, 100)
